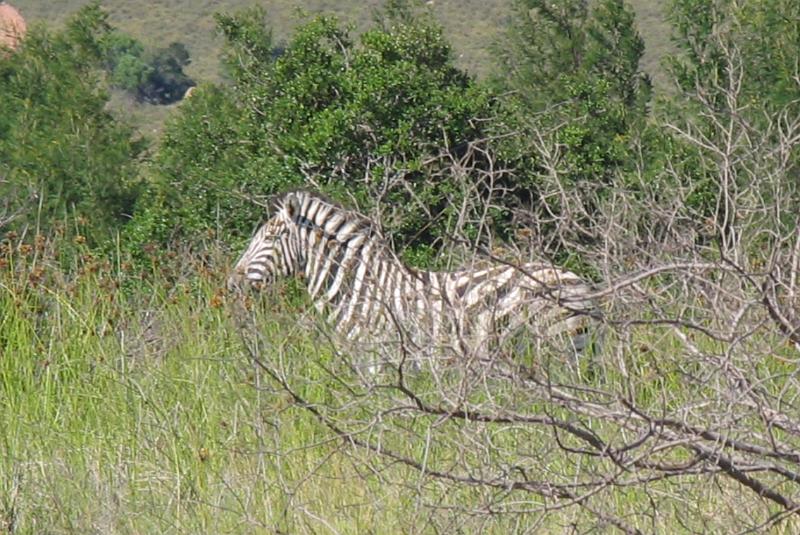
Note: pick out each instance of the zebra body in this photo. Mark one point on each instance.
(368, 293)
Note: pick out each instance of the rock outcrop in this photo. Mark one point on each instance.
(12, 27)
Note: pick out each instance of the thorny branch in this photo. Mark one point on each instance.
(696, 384)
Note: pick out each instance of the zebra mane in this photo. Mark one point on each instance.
(365, 224)
(278, 200)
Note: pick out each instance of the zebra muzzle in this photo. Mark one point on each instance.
(233, 284)
(239, 282)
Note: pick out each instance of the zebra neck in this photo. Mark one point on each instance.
(330, 266)
(357, 270)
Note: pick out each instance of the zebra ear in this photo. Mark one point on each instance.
(292, 206)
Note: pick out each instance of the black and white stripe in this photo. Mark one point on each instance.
(367, 292)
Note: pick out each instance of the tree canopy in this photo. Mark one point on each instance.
(62, 154)
(368, 119)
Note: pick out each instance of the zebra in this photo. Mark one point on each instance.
(355, 279)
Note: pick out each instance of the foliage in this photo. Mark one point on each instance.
(577, 101)
(166, 82)
(132, 385)
(155, 77)
(131, 404)
(130, 73)
(755, 42)
(374, 119)
(61, 152)
(250, 49)
(576, 70)
(736, 78)
(203, 158)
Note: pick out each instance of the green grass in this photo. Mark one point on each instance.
(472, 26)
(128, 404)
(127, 407)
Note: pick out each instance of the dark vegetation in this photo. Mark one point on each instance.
(155, 77)
(564, 151)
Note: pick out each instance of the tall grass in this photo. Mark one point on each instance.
(128, 404)
(126, 407)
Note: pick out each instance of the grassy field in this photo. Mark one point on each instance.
(130, 401)
(470, 25)
(128, 404)
(128, 408)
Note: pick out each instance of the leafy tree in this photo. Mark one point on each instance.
(205, 156)
(250, 49)
(163, 80)
(720, 38)
(122, 58)
(371, 119)
(130, 73)
(116, 46)
(580, 66)
(573, 78)
(61, 153)
(155, 76)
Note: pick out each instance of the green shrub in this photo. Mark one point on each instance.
(374, 119)
(155, 77)
(62, 154)
(577, 99)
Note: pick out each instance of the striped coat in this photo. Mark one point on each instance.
(367, 293)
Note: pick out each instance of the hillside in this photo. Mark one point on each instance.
(471, 26)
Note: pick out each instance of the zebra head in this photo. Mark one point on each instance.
(271, 252)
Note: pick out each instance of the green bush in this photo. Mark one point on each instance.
(571, 72)
(327, 112)
(735, 78)
(204, 157)
(155, 77)
(62, 154)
